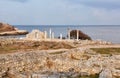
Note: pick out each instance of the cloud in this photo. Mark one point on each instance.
(60, 11)
(107, 15)
(106, 4)
(22, 1)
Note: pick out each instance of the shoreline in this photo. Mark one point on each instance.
(94, 32)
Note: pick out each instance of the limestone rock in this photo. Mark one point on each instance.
(106, 73)
(36, 34)
(35, 63)
(6, 29)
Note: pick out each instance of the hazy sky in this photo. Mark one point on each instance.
(63, 12)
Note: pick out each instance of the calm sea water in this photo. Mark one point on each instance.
(104, 32)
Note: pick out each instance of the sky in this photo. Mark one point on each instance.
(60, 12)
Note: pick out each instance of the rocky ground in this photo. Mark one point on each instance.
(76, 61)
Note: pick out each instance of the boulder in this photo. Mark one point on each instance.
(106, 73)
(82, 36)
(6, 29)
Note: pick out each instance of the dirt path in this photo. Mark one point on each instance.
(101, 46)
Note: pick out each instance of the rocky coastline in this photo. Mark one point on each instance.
(77, 62)
(6, 29)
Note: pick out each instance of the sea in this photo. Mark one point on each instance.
(103, 32)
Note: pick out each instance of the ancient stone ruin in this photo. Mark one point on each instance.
(73, 34)
(36, 34)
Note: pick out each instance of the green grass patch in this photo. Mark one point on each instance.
(58, 52)
(106, 50)
(91, 76)
(117, 77)
(7, 48)
(118, 68)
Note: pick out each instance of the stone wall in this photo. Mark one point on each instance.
(36, 34)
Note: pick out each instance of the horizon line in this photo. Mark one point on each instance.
(67, 25)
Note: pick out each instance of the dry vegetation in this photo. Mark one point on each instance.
(10, 45)
(58, 52)
(106, 50)
(82, 36)
(91, 76)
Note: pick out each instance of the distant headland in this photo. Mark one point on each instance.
(6, 29)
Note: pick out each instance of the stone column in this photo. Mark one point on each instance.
(50, 33)
(68, 33)
(36, 35)
(60, 36)
(45, 32)
(77, 35)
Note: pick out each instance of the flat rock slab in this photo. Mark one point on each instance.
(17, 32)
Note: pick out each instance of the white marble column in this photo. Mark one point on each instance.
(45, 34)
(60, 36)
(77, 35)
(50, 33)
(68, 33)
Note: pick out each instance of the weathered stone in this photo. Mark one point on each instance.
(36, 34)
(106, 73)
(116, 73)
(34, 63)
